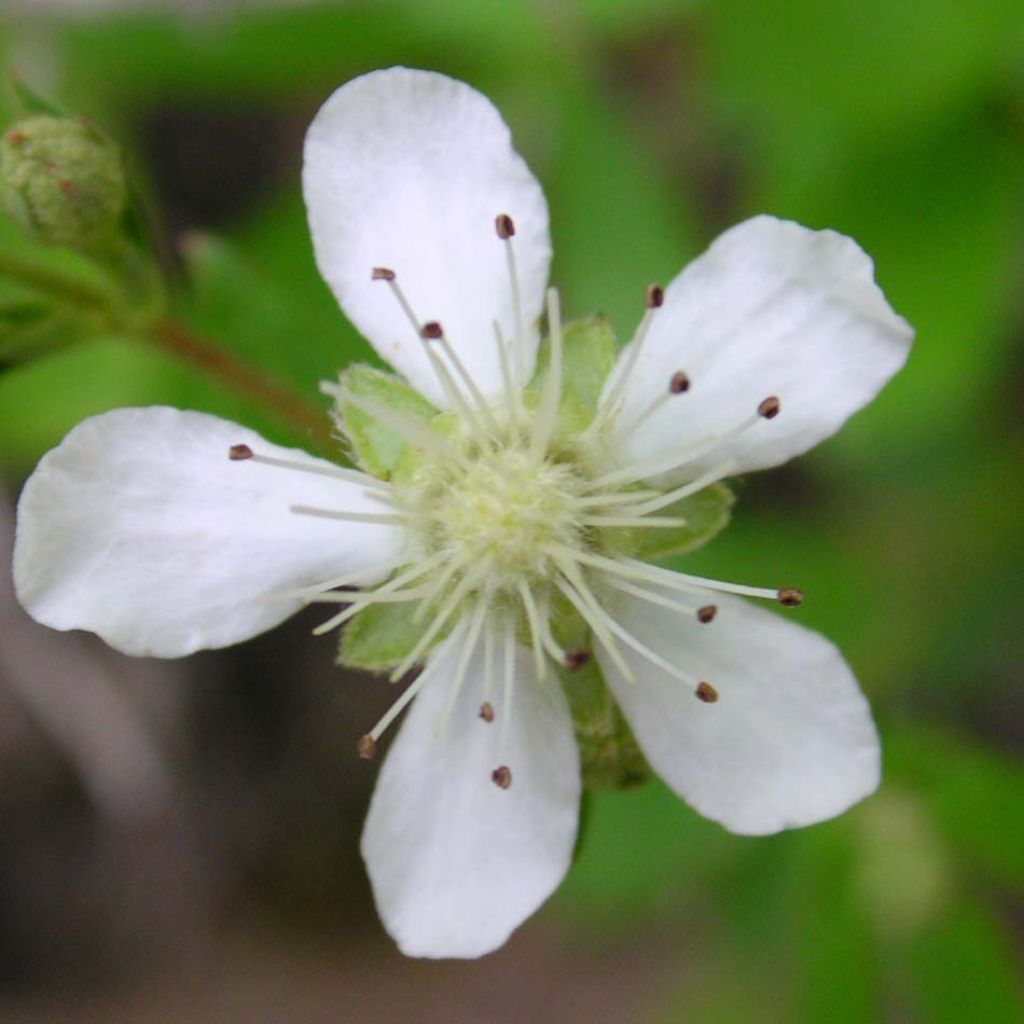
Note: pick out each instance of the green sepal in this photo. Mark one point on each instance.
(588, 355)
(376, 448)
(381, 636)
(33, 102)
(706, 513)
(610, 757)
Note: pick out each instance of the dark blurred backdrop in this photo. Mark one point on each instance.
(179, 840)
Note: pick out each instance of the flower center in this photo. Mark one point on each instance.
(496, 510)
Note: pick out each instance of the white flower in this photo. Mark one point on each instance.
(502, 513)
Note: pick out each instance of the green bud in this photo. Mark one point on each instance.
(62, 181)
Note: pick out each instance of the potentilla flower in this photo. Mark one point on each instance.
(500, 529)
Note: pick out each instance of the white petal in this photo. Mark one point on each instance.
(456, 862)
(139, 528)
(407, 170)
(790, 740)
(772, 308)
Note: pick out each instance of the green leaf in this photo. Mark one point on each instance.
(380, 636)
(378, 448)
(706, 513)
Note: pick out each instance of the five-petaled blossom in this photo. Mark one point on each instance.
(507, 520)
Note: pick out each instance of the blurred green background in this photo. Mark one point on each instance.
(179, 841)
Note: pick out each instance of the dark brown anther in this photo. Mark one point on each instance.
(769, 408)
(706, 692)
(791, 597)
(655, 296)
(366, 748)
(15, 138)
(707, 613)
(238, 452)
(576, 658)
(504, 225)
(487, 711)
(382, 274)
(432, 330)
(502, 777)
(678, 383)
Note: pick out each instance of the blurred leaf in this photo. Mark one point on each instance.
(813, 71)
(974, 795)
(617, 222)
(835, 966)
(965, 969)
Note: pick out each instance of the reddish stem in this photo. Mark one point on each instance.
(280, 399)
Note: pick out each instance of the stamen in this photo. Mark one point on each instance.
(686, 490)
(438, 584)
(391, 279)
(706, 692)
(425, 332)
(381, 518)
(433, 331)
(396, 709)
(488, 665)
(555, 652)
(487, 711)
(594, 616)
(577, 658)
(506, 229)
(678, 384)
(547, 414)
(366, 748)
(653, 299)
(616, 498)
(353, 596)
(791, 597)
(468, 646)
(707, 613)
(670, 462)
(681, 581)
(363, 599)
(239, 452)
(464, 586)
(509, 646)
(531, 617)
(505, 226)
(632, 569)
(769, 408)
(502, 776)
(660, 522)
(511, 395)
(645, 652)
(653, 598)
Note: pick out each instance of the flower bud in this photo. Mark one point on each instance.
(61, 181)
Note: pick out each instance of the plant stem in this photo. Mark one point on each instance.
(69, 287)
(288, 406)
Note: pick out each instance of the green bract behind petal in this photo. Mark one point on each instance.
(376, 447)
(588, 355)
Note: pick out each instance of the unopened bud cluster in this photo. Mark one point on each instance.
(62, 181)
